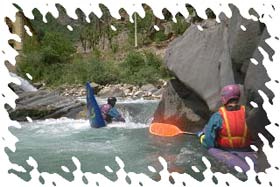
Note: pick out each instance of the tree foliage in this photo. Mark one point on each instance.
(50, 55)
(141, 68)
(55, 48)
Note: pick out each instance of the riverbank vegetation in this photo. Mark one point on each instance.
(102, 50)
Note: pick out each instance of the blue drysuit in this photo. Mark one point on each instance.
(210, 130)
(110, 113)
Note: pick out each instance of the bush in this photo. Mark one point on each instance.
(82, 70)
(159, 36)
(43, 60)
(180, 27)
(142, 68)
(56, 48)
(32, 64)
(30, 44)
(134, 61)
(48, 64)
(101, 72)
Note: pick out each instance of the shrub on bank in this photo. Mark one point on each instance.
(142, 68)
(45, 60)
(46, 65)
(55, 48)
(82, 70)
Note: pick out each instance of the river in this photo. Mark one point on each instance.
(53, 143)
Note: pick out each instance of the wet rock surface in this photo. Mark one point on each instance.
(44, 104)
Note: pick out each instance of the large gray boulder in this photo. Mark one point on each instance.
(210, 59)
(201, 61)
(205, 61)
(255, 79)
(256, 75)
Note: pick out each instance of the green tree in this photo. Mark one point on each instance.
(181, 25)
(106, 22)
(56, 48)
(141, 68)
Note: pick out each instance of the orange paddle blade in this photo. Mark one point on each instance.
(163, 129)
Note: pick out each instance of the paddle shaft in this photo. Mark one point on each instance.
(188, 133)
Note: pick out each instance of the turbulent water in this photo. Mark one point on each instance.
(53, 142)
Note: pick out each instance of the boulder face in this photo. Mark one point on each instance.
(182, 107)
(205, 61)
(219, 55)
(256, 75)
(201, 61)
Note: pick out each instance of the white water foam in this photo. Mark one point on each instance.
(66, 125)
(127, 125)
(56, 127)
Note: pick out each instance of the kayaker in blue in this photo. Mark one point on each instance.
(227, 128)
(109, 112)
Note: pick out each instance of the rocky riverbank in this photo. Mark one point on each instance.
(127, 91)
(64, 101)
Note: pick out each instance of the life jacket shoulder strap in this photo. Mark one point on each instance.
(245, 133)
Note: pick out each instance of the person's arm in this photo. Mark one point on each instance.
(210, 130)
(114, 113)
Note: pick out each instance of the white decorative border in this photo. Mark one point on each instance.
(271, 19)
